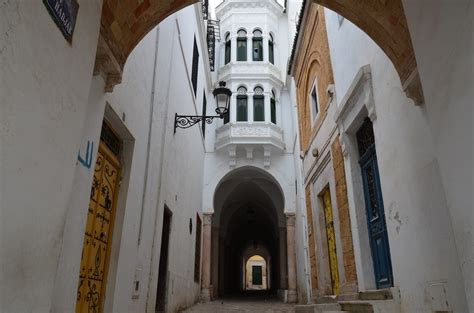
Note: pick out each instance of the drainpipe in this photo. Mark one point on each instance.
(162, 152)
(150, 128)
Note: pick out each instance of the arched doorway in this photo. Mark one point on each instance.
(249, 220)
(256, 275)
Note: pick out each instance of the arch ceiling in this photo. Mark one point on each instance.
(384, 21)
(125, 22)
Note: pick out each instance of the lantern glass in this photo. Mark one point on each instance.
(222, 95)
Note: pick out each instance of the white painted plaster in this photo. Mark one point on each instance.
(422, 240)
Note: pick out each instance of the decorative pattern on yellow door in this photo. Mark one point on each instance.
(98, 234)
(331, 237)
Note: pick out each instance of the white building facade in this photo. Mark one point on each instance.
(157, 184)
(254, 146)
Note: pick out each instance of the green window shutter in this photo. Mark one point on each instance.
(273, 111)
(258, 109)
(227, 52)
(271, 56)
(241, 108)
(257, 49)
(242, 49)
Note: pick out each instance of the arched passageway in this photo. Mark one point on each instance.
(256, 276)
(125, 23)
(248, 220)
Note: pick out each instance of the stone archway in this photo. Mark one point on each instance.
(125, 23)
(385, 22)
(248, 219)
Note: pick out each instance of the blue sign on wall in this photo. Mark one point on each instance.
(64, 13)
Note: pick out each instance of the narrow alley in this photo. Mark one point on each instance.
(273, 156)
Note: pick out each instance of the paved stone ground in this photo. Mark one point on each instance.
(242, 305)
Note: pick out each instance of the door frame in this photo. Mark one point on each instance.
(369, 158)
(357, 104)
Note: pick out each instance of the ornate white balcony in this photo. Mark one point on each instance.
(250, 134)
(250, 70)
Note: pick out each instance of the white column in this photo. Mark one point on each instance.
(278, 112)
(233, 108)
(249, 48)
(233, 48)
(267, 107)
(291, 254)
(206, 258)
(265, 48)
(283, 267)
(250, 106)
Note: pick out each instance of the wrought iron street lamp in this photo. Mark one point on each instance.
(221, 94)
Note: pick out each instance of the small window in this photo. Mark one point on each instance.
(314, 101)
(242, 112)
(197, 250)
(257, 45)
(195, 66)
(204, 111)
(227, 48)
(242, 45)
(273, 108)
(258, 105)
(271, 56)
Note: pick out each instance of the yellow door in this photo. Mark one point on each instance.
(331, 237)
(311, 243)
(98, 235)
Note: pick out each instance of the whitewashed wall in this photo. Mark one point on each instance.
(44, 87)
(301, 229)
(45, 193)
(421, 235)
(442, 31)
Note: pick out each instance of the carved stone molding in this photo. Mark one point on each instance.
(290, 219)
(267, 153)
(107, 66)
(344, 142)
(245, 134)
(207, 218)
(413, 88)
(232, 155)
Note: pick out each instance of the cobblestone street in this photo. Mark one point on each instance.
(243, 305)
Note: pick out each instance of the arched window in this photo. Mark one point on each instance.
(258, 105)
(257, 45)
(227, 48)
(242, 104)
(273, 108)
(242, 45)
(271, 56)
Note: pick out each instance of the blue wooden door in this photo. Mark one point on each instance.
(374, 207)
